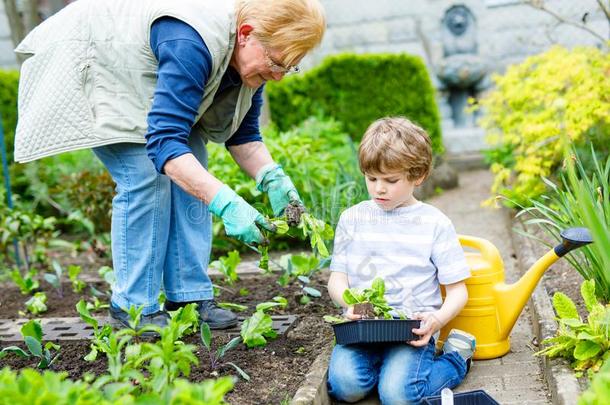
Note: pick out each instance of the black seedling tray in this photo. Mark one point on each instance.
(375, 331)
(478, 397)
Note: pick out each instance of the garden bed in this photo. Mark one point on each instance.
(276, 370)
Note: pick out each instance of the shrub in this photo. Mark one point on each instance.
(356, 90)
(9, 80)
(559, 92)
(581, 198)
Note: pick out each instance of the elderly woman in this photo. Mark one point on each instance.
(146, 84)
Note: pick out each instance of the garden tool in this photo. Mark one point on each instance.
(494, 306)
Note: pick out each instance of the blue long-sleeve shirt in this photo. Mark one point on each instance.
(184, 68)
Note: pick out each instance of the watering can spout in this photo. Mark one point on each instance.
(511, 298)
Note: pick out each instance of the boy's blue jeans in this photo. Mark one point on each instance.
(403, 374)
(160, 233)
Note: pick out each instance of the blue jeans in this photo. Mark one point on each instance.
(403, 374)
(160, 233)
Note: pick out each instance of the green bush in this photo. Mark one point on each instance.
(560, 94)
(356, 90)
(9, 80)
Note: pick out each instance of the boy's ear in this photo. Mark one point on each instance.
(419, 181)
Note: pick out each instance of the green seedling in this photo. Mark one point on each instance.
(97, 305)
(256, 329)
(217, 356)
(37, 304)
(100, 335)
(27, 284)
(232, 307)
(32, 335)
(373, 296)
(244, 292)
(227, 265)
(73, 272)
(55, 278)
(169, 357)
(317, 231)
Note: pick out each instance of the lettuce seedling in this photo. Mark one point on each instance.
(27, 284)
(227, 265)
(259, 326)
(373, 295)
(37, 304)
(32, 335)
(216, 357)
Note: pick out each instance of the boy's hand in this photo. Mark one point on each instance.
(430, 324)
(349, 314)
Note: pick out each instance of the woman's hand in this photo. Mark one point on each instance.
(430, 324)
(272, 180)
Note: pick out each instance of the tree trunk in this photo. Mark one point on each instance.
(14, 21)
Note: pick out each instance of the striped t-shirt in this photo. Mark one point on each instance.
(414, 249)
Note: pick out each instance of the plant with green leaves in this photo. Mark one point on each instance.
(232, 306)
(301, 268)
(34, 233)
(559, 97)
(100, 334)
(581, 196)
(216, 357)
(227, 265)
(256, 329)
(599, 388)
(586, 344)
(37, 304)
(77, 284)
(317, 231)
(169, 357)
(55, 278)
(373, 295)
(32, 335)
(96, 304)
(27, 283)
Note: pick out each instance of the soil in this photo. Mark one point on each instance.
(276, 370)
(365, 309)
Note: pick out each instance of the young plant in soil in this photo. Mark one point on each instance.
(585, 344)
(26, 283)
(301, 268)
(369, 302)
(258, 327)
(37, 304)
(32, 335)
(227, 265)
(216, 358)
(55, 278)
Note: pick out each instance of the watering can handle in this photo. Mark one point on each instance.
(573, 238)
(488, 251)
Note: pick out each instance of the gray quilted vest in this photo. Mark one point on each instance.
(90, 75)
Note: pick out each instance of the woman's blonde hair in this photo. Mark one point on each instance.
(293, 27)
(395, 144)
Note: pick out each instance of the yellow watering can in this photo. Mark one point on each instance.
(494, 306)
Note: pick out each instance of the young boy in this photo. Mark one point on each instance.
(414, 248)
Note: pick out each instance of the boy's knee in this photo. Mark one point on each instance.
(398, 394)
(348, 387)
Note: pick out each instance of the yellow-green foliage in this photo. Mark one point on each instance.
(356, 90)
(558, 92)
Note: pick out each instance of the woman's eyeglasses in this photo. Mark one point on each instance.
(278, 67)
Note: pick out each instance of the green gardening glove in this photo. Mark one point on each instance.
(272, 180)
(241, 220)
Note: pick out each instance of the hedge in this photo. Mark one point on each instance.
(356, 90)
(9, 80)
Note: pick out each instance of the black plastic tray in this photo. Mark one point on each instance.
(375, 331)
(478, 397)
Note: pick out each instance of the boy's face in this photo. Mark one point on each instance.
(391, 190)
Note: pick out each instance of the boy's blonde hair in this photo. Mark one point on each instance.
(395, 144)
(293, 27)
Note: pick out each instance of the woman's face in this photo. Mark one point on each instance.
(254, 63)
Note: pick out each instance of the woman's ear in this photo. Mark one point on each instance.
(243, 33)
